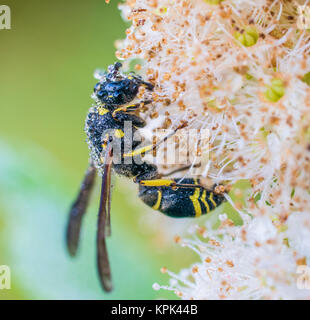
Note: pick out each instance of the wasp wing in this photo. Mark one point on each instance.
(108, 204)
(78, 209)
(104, 228)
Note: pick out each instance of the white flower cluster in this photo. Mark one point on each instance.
(241, 69)
(239, 263)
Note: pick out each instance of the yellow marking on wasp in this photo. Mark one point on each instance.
(105, 141)
(156, 206)
(196, 181)
(123, 109)
(110, 96)
(138, 151)
(117, 110)
(102, 111)
(211, 199)
(119, 133)
(195, 200)
(157, 183)
(133, 106)
(203, 200)
(130, 77)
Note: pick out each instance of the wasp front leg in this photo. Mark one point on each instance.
(122, 114)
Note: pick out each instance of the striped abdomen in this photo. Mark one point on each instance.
(182, 202)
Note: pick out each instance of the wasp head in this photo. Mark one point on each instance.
(116, 88)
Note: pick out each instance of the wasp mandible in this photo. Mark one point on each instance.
(173, 197)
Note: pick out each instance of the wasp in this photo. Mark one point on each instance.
(104, 124)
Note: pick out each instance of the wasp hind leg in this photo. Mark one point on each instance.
(78, 210)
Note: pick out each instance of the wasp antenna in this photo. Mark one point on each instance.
(117, 66)
(113, 69)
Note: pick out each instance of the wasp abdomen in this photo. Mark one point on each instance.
(181, 202)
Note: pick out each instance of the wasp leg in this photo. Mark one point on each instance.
(129, 108)
(78, 210)
(152, 147)
(148, 85)
(145, 84)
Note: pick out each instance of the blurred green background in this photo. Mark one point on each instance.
(47, 64)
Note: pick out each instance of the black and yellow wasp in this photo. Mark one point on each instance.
(105, 123)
